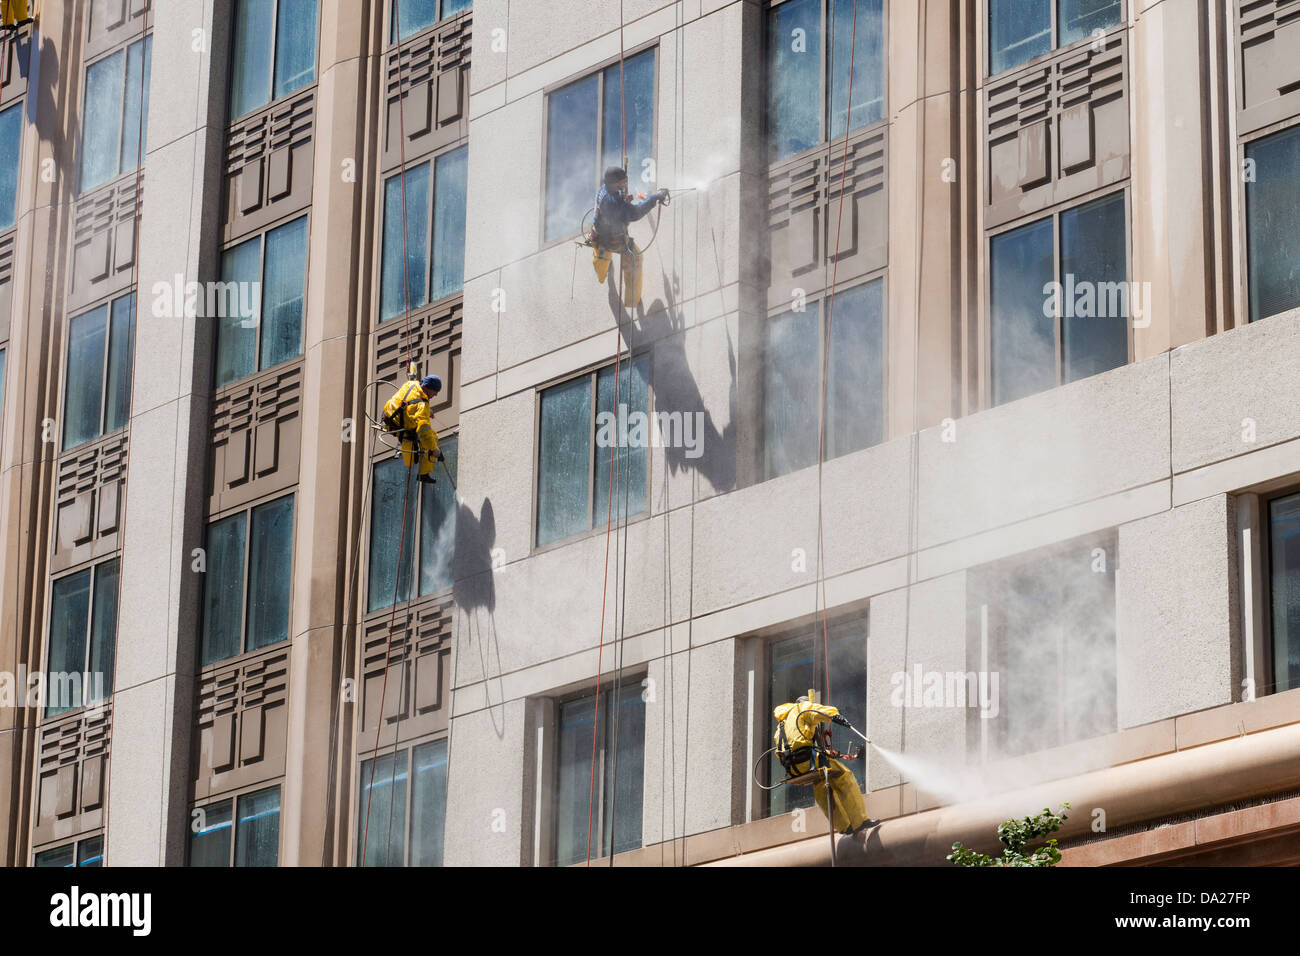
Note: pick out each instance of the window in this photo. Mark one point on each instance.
(808, 77)
(2, 390)
(1272, 211)
(397, 825)
(256, 831)
(247, 611)
(584, 137)
(112, 141)
(87, 852)
(83, 639)
(855, 393)
(416, 15)
(578, 430)
(261, 302)
(1020, 30)
(797, 665)
(274, 53)
(97, 393)
(11, 139)
(616, 806)
(1284, 587)
(1050, 641)
(1056, 324)
(430, 509)
(435, 218)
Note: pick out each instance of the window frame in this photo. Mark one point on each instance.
(452, 434)
(824, 86)
(20, 106)
(246, 510)
(597, 70)
(92, 569)
(102, 432)
(1054, 213)
(76, 844)
(986, 41)
(391, 23)
(272, 99)
(408, 748)
(233, 798)
(882, 276)
(1267, 667)
(124, 49)
(1242, 293)
(591, 371)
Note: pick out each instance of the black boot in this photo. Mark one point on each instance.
(427, 480)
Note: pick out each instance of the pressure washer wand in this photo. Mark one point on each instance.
(842, 721)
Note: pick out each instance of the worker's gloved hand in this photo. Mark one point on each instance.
(841, 720)
(440, 458)
(661, 196)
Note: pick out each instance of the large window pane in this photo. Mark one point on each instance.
(1094, 335)
(438, 524)
(429, 804)
(69, 619)
(794, 52)
(250, 63)
(381, 811)
(84, 389)
(270, 562)
(1272, 215)
(1019, 30)
(241, 308)
(101, 133)
(1284, 543)
(210, 835)
(638, 106)
(91, 852)
(257, 840)
(868, 62)
(563, 467)
(60, 856)
(571, 175)
(1076, 19)
(393, 481)
(103, 634)
(624, 733)
(1023, 337)
(136, 104)
(121, 351)
(223, 594)
(573, 784)
(629, 494)
(449, 223)
(855, 413)
(295, 46)
(412, 16)
(282, 293)
(391, 301)
(790, 392)
(11, 136)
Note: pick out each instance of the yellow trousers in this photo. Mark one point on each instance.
(426, 447)
(850, 808)
(12, 11)
(630, 263)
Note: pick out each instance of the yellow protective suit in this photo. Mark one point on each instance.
(630, 263)
(409, 408)
(850, 808)
(13, 12)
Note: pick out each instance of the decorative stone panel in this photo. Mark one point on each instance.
(434, 85)
(15, 65)
(241, 731)
(113, 22)
(72, 772)
(417, 699)
(435, 348)
(1268, 62)
(103, 242)
(88, 499)
(268, 165)
(7, 241)
(256, 437)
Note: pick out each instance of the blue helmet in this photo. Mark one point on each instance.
(431, 384)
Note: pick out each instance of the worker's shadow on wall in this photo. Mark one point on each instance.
(662, 329)
(474, 592)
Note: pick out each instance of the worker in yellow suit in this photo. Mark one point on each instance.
(802, 745)
(13, 14)
(407, 415)
(615, 209)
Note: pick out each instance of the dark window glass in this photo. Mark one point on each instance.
(97, 393)
(797, 666)
(60, 856)
(563, 467)
(265, 604)
(257, 838)
(1078, 18)
(282, 296)
(1095, 339)
(1023, 330)
(616, 821)
(115, 87)
(449, 223)
(1020, 30)
(103, 634)
(438, 524)
(1284, 554)
(2, 388)
(428, 803)
(223, 593)
(11, 140)
(638, 107)
(239, 310)
(91, 852)
(381, 811)
(794, 77)
(413, 16)
(790, 392)
(69, 620)
(274, 51)
(210, 835)
(866, 45)
(270, 560)
(630, 475)
(1272, 212)
(121, 350)
(393, 482)
(391, 301)
(855, 392)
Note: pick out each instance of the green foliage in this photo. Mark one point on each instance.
(1015, 835)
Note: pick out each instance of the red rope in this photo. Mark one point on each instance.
(826, 358)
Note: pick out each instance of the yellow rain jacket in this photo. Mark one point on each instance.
(409, 411)
(800, 730)
(13, 12)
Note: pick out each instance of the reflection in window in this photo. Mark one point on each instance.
(1020, 30)
(87, 852)
(1284, 587)
(83, 639)
(416, 15)
(585, 134)
(11, 140)
(241, 832)
(97, 392)
(274, 52)
(111, 139)
(1272, 214)
(383, 840)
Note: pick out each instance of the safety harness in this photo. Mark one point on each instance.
(397, 423)
(818, 753)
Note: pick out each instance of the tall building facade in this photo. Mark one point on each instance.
(961, 391)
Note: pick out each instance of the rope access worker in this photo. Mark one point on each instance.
(803, 745)
(407, 416)
(13, 14)
(614, 211)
